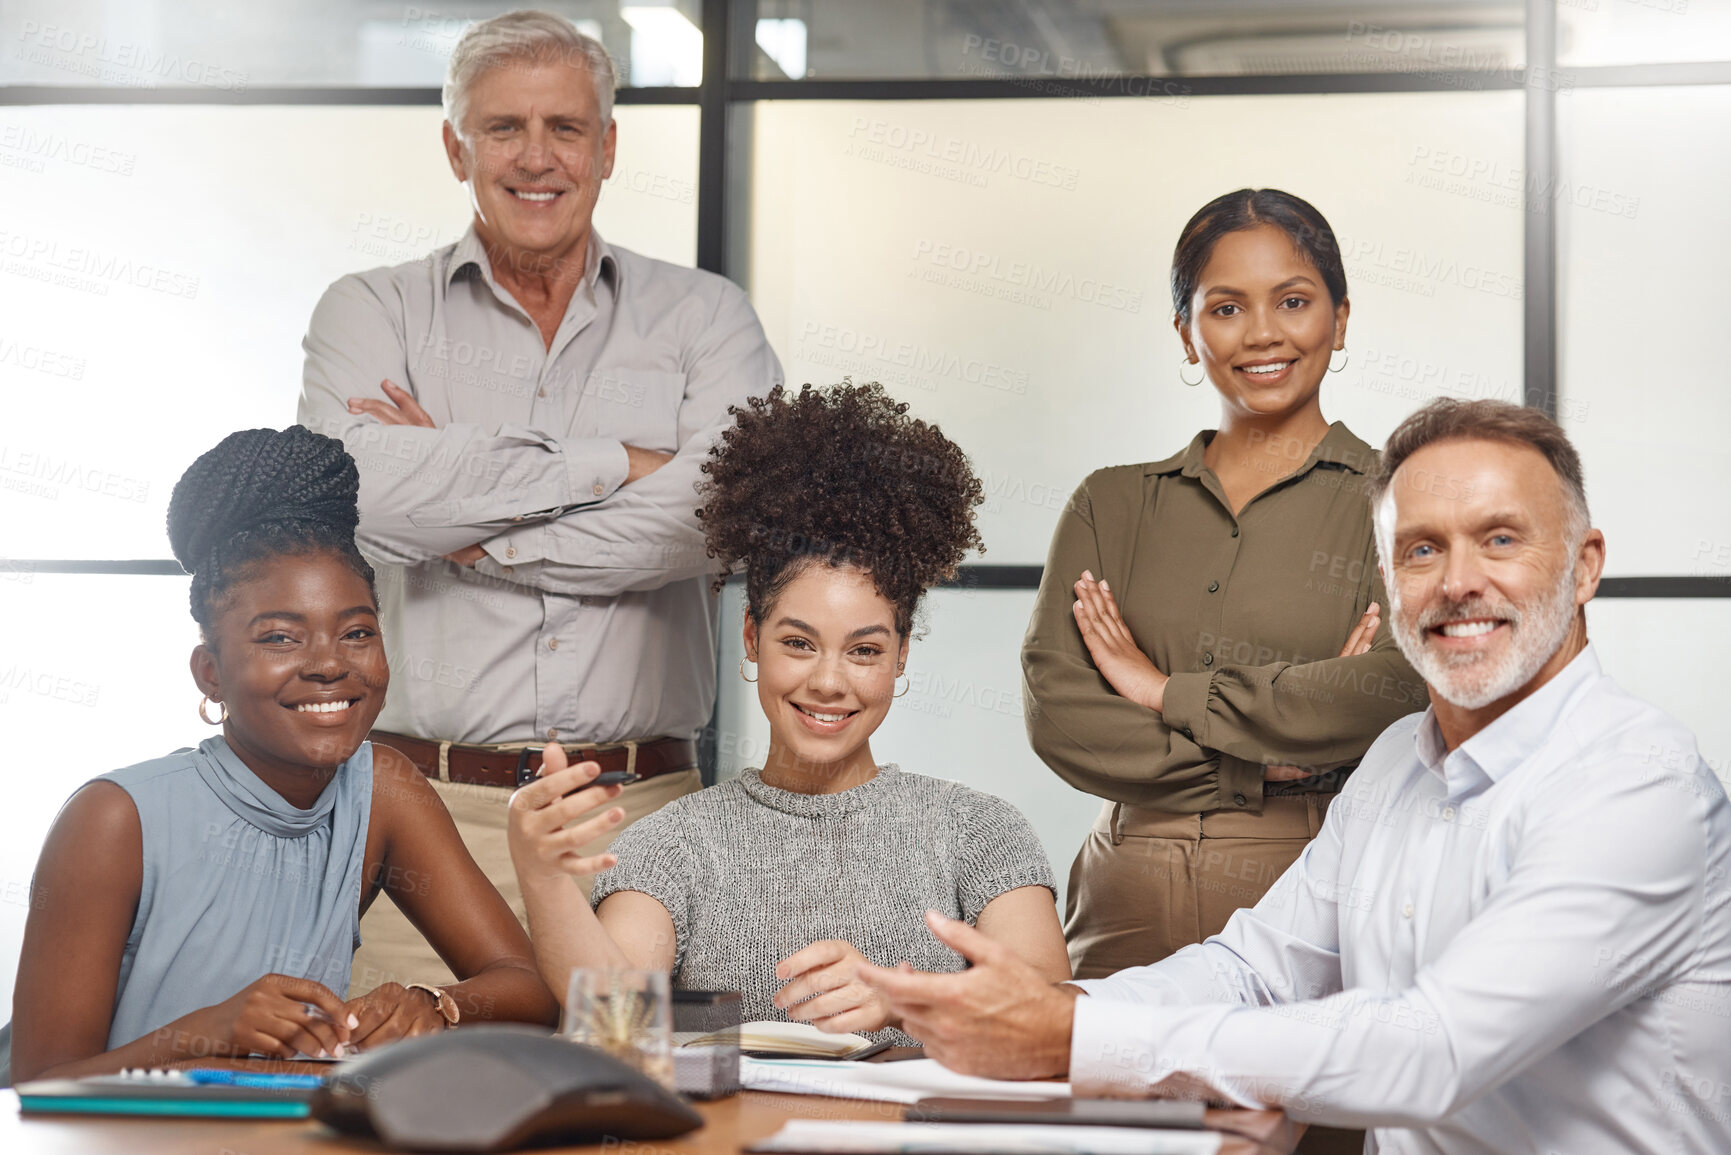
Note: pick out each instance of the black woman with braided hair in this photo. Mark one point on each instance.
(782, 883)
(209, 902)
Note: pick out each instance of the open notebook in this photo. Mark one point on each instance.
(789, 1041)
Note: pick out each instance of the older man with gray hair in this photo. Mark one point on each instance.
(1513, 934)
(529, 408)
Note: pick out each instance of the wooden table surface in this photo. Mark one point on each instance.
(730, 1124)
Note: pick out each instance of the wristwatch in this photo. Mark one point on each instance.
(446, 1004)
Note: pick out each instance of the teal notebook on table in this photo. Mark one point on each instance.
(183, 1094)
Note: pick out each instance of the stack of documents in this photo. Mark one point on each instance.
(907, 1082)
(854, 1137)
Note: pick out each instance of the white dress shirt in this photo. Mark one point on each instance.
(590, 618)
(1520, 945)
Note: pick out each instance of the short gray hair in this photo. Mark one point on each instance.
(526, 35)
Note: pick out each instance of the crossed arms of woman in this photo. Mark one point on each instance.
(1133, 674)
(1106, 715)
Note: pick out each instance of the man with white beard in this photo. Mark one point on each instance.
(1513, 933)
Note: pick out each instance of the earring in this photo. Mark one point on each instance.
(1183, 361)
(902, 693)
(1343, 361)
(208, 720)
(742, 676)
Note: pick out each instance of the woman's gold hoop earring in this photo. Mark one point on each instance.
(903, 692)
(1343, 361)
(742, 676)
(208, 720)
(1183, 361)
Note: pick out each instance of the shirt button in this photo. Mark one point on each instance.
(1235, 531)
(598, 489)
(552, 734)
(1188, 734)
(1207, 659)
(1239, 800)
(1213, 587)
(1406, 910)
(1448, 814)
(510, 551)
(540, 392)
(552, 643)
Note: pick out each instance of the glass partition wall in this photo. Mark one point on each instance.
(973, 201)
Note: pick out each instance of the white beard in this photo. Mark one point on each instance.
(1475, 680)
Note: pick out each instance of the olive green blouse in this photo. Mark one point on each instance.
(1247, 615)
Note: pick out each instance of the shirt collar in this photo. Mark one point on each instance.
(1339, 447)
(867, 794)
(248, 796)
(1503, 746)
(471, 253)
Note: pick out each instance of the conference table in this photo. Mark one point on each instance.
(730, 1124)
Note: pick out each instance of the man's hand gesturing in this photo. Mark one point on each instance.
(999, 1018)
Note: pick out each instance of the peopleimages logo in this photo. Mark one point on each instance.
(864, 350)
(45, 146)
(980, 271)
(118, 62)
(47, 684)
(86, 268)
(922, 150)
(1498, 182)
(40, 360)
(1419, 271)
(43, 475)
(1030, 65)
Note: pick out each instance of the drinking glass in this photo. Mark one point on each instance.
(626, 1013)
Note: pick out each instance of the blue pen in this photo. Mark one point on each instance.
(211, 1077)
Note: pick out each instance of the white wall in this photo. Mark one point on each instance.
(1049, 351)
(1643, 233)
(1669, 652)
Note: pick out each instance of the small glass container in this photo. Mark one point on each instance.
(626, 1013)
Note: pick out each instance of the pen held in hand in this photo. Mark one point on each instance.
(318, 1013)
(606, 778)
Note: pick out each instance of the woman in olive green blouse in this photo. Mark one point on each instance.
(1205, 653)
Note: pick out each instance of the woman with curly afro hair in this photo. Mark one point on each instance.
(842, 511)
(209, 902)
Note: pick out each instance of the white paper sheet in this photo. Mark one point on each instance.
(905, 1082)
(862, 1138)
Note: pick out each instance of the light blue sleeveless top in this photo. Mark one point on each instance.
(237, 884)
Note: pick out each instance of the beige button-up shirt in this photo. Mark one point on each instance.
(1247, 614)
(590, 618)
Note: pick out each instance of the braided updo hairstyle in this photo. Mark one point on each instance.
(841, 476)
(261, 494)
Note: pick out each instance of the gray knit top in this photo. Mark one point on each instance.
(751, 874)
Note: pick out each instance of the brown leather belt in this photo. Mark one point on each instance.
(511, 765)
